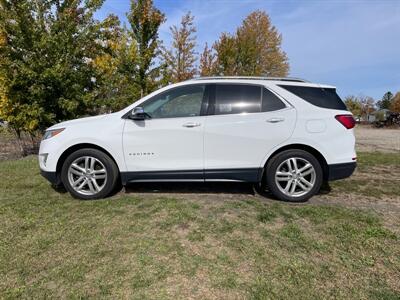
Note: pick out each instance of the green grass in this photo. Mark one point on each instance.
(53, 246)
(378, 175)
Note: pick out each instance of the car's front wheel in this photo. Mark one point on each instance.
(89, 174)
(294, 175)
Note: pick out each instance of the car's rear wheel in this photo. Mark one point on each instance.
(294, 175)
(89, 174)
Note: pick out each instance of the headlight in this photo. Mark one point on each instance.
(50, 133)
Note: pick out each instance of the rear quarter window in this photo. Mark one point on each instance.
(321, 97)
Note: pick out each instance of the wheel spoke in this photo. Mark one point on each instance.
(102, 176)
(82, 184)
(293, 188)
(283, 176)
(306, 167)
(287, 187)
(302, 186)
(76, 172)
(308, 184)
(308, 172)
(101, 171)
(90, 185)
(294, 164)
(95, 185)
(78, 168)
(87, 158)
(78, 181)
(288, 163)
(92, 162)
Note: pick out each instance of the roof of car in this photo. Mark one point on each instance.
(259, 79)
(290, 79)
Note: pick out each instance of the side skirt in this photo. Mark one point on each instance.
(241, 175)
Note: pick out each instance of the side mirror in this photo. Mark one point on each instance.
(138, 114)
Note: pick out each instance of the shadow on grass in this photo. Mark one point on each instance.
(191, 188)
(207, 188)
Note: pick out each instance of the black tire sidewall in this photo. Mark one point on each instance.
(274, 163)
(109, 164)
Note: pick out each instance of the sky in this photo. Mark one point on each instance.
(351, 44)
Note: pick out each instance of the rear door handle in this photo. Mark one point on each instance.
(275, 120)
(191, 124)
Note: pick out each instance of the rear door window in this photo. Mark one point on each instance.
(237, 98)
(321, 97)
(270, 101)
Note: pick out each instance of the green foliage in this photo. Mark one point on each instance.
(255, 50)
(116, 68)
(145, 21)
(58, 63)
(180, 59)
(45, 50)
(386, 101)
(353, 104)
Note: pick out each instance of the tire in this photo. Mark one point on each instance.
(89, 174)
(307, 180)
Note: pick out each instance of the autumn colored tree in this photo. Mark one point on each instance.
(181, 58)
(395, 105)
(45, 53)
(145, 21)
(255, 49)
(259, 47)
(207, 62)
(353, 104)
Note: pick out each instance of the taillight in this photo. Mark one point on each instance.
(346, 120)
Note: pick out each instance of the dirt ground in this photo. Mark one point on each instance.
(371, 139)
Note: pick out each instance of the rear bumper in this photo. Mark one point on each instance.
(340, 171)
(51, 177)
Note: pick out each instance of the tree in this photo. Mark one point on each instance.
(259, 47)
(145, 21)
(255, 49)
(354, 105)
(386, 101)
(395, 105)
(226, 55)
(46, 51)
(181, 58)
(367, 105)
(116, 68)
(207, 62)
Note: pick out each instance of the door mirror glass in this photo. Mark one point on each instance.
(138, 114)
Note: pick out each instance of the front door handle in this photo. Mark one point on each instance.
(191, 124)
(275, 120)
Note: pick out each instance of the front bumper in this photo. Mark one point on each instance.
(340, 171)
(52, 177)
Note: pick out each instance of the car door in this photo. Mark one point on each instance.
(169, 144)
(245, 123)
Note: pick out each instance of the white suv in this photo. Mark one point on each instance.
(288, 135)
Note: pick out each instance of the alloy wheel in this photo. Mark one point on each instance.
(295, 177)
(87, 175)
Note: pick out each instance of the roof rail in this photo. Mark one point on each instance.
(292, 79)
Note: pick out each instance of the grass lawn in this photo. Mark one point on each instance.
(52, 246)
